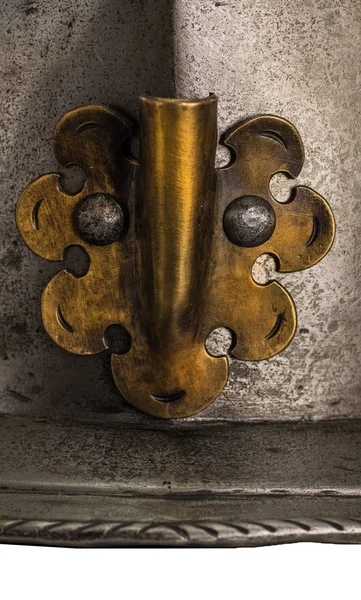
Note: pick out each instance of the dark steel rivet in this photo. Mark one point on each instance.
(99, 219)
(249, 221)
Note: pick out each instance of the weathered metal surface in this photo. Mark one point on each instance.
(298, 60)
(57, 56)
(255, 57)
(165, 460)
(293, 482)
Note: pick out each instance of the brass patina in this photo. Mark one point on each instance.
(172, 242)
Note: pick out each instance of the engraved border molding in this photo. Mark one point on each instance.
(179, 534)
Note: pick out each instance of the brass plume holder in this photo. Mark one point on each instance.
(171, 242)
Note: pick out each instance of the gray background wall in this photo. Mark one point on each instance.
(300, 60)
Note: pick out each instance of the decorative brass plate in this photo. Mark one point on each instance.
(171, 243)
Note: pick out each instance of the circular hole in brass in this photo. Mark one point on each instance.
(117, 339)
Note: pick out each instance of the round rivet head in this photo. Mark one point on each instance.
(99, 219)
(249, 221)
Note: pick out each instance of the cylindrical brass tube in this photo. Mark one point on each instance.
(177, 152)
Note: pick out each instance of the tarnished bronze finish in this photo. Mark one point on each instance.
(171, 244)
